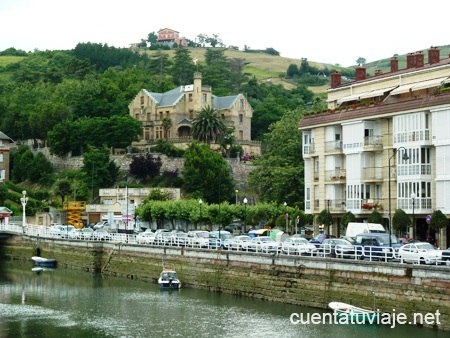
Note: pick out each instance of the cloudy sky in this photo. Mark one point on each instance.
(329, 31)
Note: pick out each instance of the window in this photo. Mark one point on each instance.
(204, 98)
(191, 114)
(190, 97)
(241, 118)
(2, 175)
(142, 100)
(1, 157)
(159, 133)
(241, 103)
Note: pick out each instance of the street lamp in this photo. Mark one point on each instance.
(413, 198)
(200, 202)
(287, 216)
(245, 214)
(236, 191)
(328, 210)
(23, 200)
(405, 157)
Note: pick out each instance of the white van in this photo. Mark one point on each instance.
(354, 229)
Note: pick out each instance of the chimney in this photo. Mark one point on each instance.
(335, 79)
(394, 64)
(378, 72)
(433, 55)
(419, 59)
(410, 60)
(360, 73)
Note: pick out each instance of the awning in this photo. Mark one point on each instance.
(402, 89)
(375, 93)
(430, 83)
(348, 98)
(419, 85)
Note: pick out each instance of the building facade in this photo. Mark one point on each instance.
(5, 145)
(383, 145)
(167, 36)
(181, 105)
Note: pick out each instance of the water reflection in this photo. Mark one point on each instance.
(67, 303)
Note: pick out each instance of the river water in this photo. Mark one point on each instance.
(68, 303)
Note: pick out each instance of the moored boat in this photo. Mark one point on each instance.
(168, 280)
(44, 262)
(354, 314)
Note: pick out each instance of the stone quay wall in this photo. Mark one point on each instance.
(303, 281)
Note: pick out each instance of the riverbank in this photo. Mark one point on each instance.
(304, 281)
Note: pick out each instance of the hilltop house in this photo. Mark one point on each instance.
(181, 105)
(383, 145)
(5, 145)
(167, 36)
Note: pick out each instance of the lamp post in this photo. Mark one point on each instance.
(200, 202)
(236, 191)
(405, 157)
(287, 216)
(328, 210)
(23, 200)
(413, 198)
(245, 214)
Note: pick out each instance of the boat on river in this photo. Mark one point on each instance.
(354, 314)
(44, 262)
(168, 280)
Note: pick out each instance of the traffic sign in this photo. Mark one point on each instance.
(428, 219)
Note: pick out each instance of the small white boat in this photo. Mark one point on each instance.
(168, 280)
(46, 262)
(354, 314)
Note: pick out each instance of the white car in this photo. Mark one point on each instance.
(297, 245)
(75, 234)
(263, 244)
(239, 242)
(146, 237)
(419, 252)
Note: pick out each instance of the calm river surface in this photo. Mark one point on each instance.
(68, 303)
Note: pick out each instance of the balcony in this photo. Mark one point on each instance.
(333, 146)
(372, 173)
(373, 142)
(336, 175)
(308, 149)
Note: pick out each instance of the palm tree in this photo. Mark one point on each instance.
(208, 126)
(167, 124)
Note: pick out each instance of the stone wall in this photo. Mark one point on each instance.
(303, 281)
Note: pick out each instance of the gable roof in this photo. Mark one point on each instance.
(226, 102)
(3, 136)
(5, 210)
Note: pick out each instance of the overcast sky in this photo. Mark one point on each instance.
(336, 32)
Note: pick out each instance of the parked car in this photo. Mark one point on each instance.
(420, 252)
(318, 239)
(100, 225)
(86, 233)
(101, 235)
(198, 238)
(377, 246)
(75, 234)
(297, 245)
(179, 239)
(163, 238)
(337, 247)
(263, 244)
(446, 256)
(146, 237)
(221, 238)
(238, 242)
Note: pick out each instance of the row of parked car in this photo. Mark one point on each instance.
(372, 246)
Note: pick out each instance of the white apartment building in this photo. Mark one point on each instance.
(384, 144)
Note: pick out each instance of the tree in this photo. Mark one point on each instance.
(145, 166)
(41, 170)
(207, 174)
(361, 61)
(216, 71)
(278, 175)
(293, 70)
(375, 217)
(325, 218)
(97, 168)
(152, 38)
(347, 218)
(3, 194)
(183, 67)
(167, 124)
(208, 126)
(401, 221)
(63, 188)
